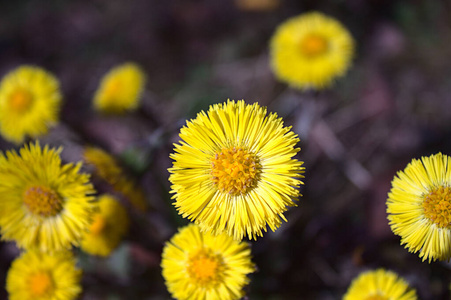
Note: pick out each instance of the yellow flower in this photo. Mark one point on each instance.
(310, 50)
(419, 207)
(44, 204)
(43, 276)
(29, 103)
(379, 285)
(200, 266)
(109, 226)
(109, 170)
(120, 89)
(234, 171)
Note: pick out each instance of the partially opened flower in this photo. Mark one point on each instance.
(200, 266)
(235, 171)
(110, 224)
(30, 102)
(311, 50)
(379, 285)
(108, 169)
(44, 204)
(43, 276)
(120, 89)
(419, 207)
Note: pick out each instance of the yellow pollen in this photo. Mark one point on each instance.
(313, 45)
(40, 284)
(98, 225)
(376, 297)
(205, 267)
(20, 100)
(42, 201)
(235, 170)
(437, 206)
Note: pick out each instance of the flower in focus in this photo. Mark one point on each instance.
(120, 89)
(109, 226)
(43, 276)
(310, 50)
(44, 204)
(30, 102)
(419, 207)
(201, 266)
(108, 169)
(379, 285)
(234, 170)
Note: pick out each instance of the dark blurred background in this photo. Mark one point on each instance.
(392, 106)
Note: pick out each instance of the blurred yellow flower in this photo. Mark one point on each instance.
(310, 50)
(379, 285)
(44, 204)
(108, 169)
(43, 276)
(419, 207)
(30, 102)
(234, 170)
(109, 226)
(120, 89)
(200, 266)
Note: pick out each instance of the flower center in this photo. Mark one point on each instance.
(20, 100)
(313, 45)
(376, 297)
(98, 225)
(437, 206)
(235, 170)
(205, 267)
(40, 284)
(42, 201)
(113, 87)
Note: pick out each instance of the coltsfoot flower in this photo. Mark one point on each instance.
(110, 224)
(310, 51)
(30, 101)
(234, 170)
(419, 207)
(120, 89)
(379, 285)
(43, 276)
(44, 204)
(200, 266)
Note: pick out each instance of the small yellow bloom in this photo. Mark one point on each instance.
(44, 204)
(42, 276)
(30, 102)
(419, 207)
(234, 170)
(120, 89)
(379, 285)
(310, 50)
(109, 170)
(109, 226)
(200, 266)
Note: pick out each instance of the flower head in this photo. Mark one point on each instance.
(201, 266)
(419, 207)
(108, 169)
(234, 171)
(44, 204)
(43, 276)
(120, 89)
(310, 50)
(29, 103)
(109, 226)
(379, 285)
